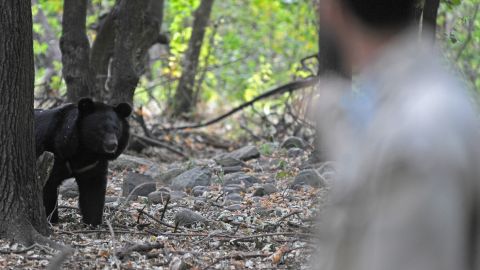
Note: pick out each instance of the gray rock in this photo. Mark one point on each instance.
(192, 178)
(245, 153)
(69, 188)
(292, 142)
(309, 177)
(186, 216)
(165, 178)
(231, 169)
(263, 212)
(130, 162)
(199, 191)
(233, 188)
(234, 197)
(176, 195)
(229, 161)
(264, 190)
(160, 196)
(294, 152)
(142, 184)
(235, 207)
(239, 179)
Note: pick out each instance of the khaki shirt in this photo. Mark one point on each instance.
(407, 146)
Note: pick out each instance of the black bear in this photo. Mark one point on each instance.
(83, 137)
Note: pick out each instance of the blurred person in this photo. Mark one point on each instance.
(406, 141)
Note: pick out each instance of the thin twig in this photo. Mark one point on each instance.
(112, 233)
(156, 219)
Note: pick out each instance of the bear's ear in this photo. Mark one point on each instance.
(123, 109)
(86, 105)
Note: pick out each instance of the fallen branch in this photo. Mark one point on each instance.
(159, 144)
(289, 87)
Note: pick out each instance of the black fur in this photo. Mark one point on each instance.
(83, 137)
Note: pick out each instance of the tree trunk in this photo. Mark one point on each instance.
(75, 49)
(22, 214)
(102, 51)
(184, 100)
(430, 11)
(136, 30)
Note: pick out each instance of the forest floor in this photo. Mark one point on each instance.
(254, 208)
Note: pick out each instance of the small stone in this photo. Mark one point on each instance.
(160, 196)
(129, 162)
(309, 177)
(292, 142)
(234, 197)
(264, 190)
(192, 178)
(186, 216)
(231, 169)
(199, 191)
(229, 161)
(240, 178)
(294, 152)
(69, 188)
(234, 207)
(245, 153)
(142, 184)
(263, 212)
(233, 188)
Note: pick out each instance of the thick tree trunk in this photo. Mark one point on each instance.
(184, 100)
(136, 30)
(76, 50)
(21, 209)
(102, 51)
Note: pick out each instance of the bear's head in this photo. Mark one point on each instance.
(103, 129)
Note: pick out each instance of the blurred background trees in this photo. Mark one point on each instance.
(195, 59)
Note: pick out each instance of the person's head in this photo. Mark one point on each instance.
(355, 23)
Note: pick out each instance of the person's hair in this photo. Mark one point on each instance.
(383, 14)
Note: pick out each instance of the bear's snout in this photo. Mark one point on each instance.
(110, 143)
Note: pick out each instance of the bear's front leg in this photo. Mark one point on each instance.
(92, 186)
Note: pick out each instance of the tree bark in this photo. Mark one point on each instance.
(75, 49)
(102, 51)
(184, 100)
(136, 30)
(22, 214)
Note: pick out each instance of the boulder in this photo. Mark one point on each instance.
(309, 177)
(192, 178)
(143, 184)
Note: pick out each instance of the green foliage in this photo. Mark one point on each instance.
(459, 33)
